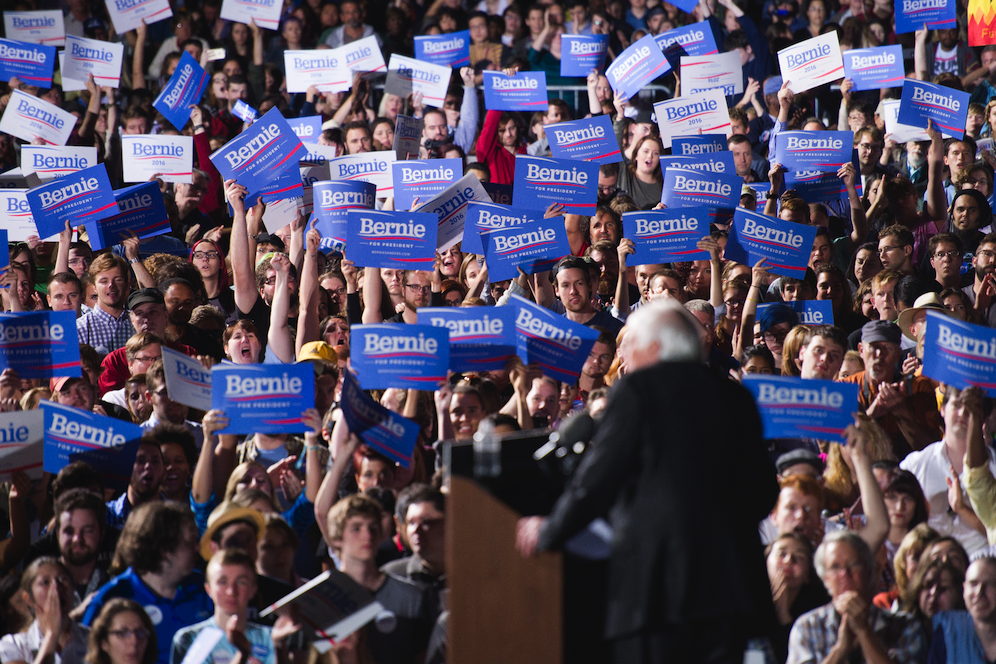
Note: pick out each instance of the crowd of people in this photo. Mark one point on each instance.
(875, 549)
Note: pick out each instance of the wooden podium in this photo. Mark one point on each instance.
(503, 608)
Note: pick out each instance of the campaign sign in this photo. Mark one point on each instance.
(16, 213)
(394, 240)
(187, 380)
(913, 15)
(803, 408)
(68, 84)
(127, 15)
(761, 189)
(423, 179)
(169, 158)
(332, 203)
(91, 56)
(817, 187)
(142, 212)
(41, 27)
(244, 112)
(282, 211)
(387, 432)
(637, 67)
(703, 113)
(693, 145)
(22, 435)
(450, 207)
(697, 39)
(811, 63)
(875, 68)
(40, 344)
(922, 101)
(72, 434)
(260, 154)
(387, 355)
(185, 87)
(53, 161)
(311, 174)
(811, 312)
(558, 345)
(263, 398)
(318, 155)
(814, 150)
(588, 139)
(481, 338)
(407, 76)
(308, 129)
(901, 133)
(706, 72)
(786, 245)
(29, 118)
(959, 354)
(483, 217)
(363, 55)
(666, 236)
(32, 63)
(713, 162)
(535, 246)
(449, 50)
(687, 187)
(266, 13)
(77, 198)
(526, 91)
(407, 134)
(372, 167)
(541, 181)
(324, 69)
(580, 54)
(4, 258)
(498, 193)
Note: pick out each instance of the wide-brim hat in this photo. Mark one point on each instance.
(225, 514)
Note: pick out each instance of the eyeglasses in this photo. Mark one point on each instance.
(336, 291)
(139, 634)
(846, 569)
(986, 253)
(885, 250)
(210, 255)
(941, 255)
(778, 336)
(82, 260)
(977, 183)
(145, 358)
(869, 146)
(418, 289)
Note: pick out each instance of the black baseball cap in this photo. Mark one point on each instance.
(143, 295)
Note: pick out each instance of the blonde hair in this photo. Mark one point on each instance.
(915, 542)
(839, 483)
(791, 348)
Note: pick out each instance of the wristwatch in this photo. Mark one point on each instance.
(134, 260)
(770, 194)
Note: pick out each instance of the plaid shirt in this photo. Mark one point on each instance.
(814, 635)
(104, 332)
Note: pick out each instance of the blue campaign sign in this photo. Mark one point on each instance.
(483, 217)
(534, 246)
(959, 354)
(696, 145)
(697, 39)
(912, 15)
(922, 101)
(308, 128)
(395, 240)
(142, 212)
(77, 198)
(32, 63)
(786, 245)
(423, 179)
(666, 236)
(263, 398)
(387, 432)
(498, 193)
(481, 338)
(712, 162)
(588, 139)
(637, 67)
(106, 443)
(333, 201)
(875, 68)
(816, 187)
(450, 50)
(686, 187)
(260, 154)
(801, 408)
(814, 150)
(185, 87)
(40, 344)
(580, 54)
(405, 356)
(811, 312)
(4, 256)
(541, 181)
(558, 345)
(526, 91)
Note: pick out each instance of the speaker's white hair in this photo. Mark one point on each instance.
(671, 326)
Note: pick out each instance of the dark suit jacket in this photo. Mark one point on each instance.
(680, 459)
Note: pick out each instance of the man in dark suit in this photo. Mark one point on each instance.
(686, 490)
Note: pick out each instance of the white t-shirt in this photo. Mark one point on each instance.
(945, 62)
(23, 646)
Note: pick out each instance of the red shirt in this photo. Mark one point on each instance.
(490, 151)
(115, 367)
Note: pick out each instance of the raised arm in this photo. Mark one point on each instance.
(85, 132)
(279, 337)
(758, 280)
(62, 256)
(313, 446)
(243, 265)
(343, 445)
(716, 282)
(859, 220)
(202, 483)
(876, 528)
(307, 317)
(624, 249)
(138, 58)
(937, 200)
(373, 292)
(131, 246)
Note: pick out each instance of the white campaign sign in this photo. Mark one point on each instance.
(16, 213)
(187, 380)
(281, 212)
(44, 27)
(703, 113)
(323, 69)
(901, 133)
(705, 72)
(372, 167)
(127, 15)
(22, 436)
(451, 206)
(265, 12)
(363, 55)
(28, 118)
(811, 63)
(49, 161)
(170, 158)
(92, 56)
(69, 84)
(407, 76)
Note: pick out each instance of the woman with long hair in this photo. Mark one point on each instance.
(241, 342)
(642, 176)
(209, 259)
(936, 587)
(864, 264)
(795, 587)
(904, 565)
(122, 633)
(841, 477)
(240, 45)
(734, 296)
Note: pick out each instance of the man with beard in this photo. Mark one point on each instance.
(597, 365)
(499, 142)
(79, 393)
(80, 517)
(984, 287)
(420, 289)
(572, 287)
(105, 327)
(147, 475)
(165, 409)
(969, 211)
(180, 300)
